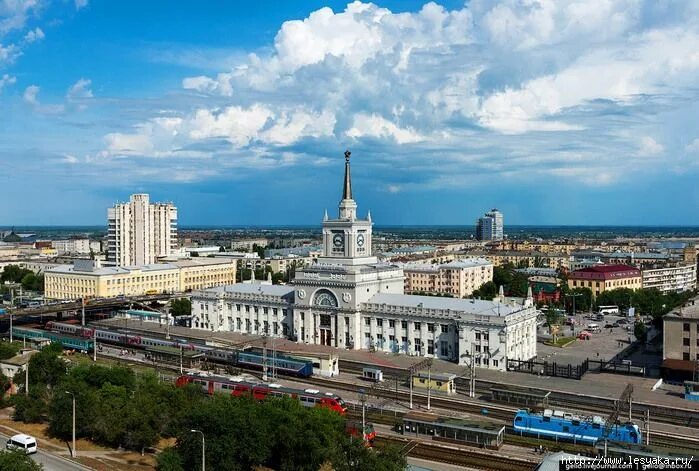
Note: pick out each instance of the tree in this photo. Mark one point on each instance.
(640, 331)
(488, 290)
(47, 368)
(8, 350)
(17, 461)
(221, 249)
(583, 299)
(169, 460)
(181, 307)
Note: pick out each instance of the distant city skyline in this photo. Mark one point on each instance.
(556, 113)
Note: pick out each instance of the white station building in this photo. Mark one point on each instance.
(347, 299)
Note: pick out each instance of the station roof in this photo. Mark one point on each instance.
(488, 428)
(254, 288)
(458, 305)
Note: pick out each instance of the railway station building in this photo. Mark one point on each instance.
(348, 299)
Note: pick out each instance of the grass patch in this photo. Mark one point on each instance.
(560, 342)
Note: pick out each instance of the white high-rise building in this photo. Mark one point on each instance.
(490, 227)
(140, 231)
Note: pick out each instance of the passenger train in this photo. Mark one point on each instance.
(558, 425)
(247, 359)
(260, 391)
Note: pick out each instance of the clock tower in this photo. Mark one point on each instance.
(347, 239)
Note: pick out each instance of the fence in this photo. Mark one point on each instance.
(545, 368)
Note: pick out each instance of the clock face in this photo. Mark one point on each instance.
(360, 240)
(338, 240)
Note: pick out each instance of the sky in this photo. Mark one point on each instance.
(567, 112)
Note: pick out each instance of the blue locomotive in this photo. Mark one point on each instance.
(558, 425)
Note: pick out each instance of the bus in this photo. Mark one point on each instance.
(605, 310)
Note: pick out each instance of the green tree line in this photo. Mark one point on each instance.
(118, 408)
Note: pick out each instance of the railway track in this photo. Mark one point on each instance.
(470, 458)
(573, 401)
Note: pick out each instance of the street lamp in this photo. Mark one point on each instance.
(73, 453)
(203, 449)
(362, 398)
(574, 295)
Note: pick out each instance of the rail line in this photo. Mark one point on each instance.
(442, 453)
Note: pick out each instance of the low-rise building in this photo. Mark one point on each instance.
(681, 341)
(83, 279)
(458, 279)
(600, 278)
(499, 258)
(249, 244)
(79, 246)
(677, 278)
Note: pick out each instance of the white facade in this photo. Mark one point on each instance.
(139, 232)
(459, 278)
(491, 226)
(672, 278)
(81, 246)
(349, 300)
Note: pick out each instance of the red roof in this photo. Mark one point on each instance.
(606, 272)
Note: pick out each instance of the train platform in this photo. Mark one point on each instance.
(605, 385)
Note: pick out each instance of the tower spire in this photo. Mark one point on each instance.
(347, 190)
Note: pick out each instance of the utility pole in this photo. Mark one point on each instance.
(429, 384)
(73, 451)
(181, 355)
(83, 311)
(167, 326)
(264, 358)
(26, 378)
(94, 346)
(647, 421)
(410, 380)
(10, 326)
(203, 449)
(362, 398)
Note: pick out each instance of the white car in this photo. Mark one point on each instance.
(22, 442)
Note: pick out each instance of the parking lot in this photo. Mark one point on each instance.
(602, 345)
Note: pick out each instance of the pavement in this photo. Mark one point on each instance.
(50, 461)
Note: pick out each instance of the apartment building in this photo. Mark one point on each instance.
(602, 278)
(490, 226)
(140, 231)
(459, 278)
(83, 278)
(681, 337)
(677, 278)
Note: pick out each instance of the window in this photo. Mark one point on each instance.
(495, 363)
(404, 324)
(685, 356)
(417, 326)
(685, 327)
(478, 348)
(367, 321)
(430, 347)
(445, 328)
(443, 349)
(379, 322)
(478, 335)
(239, 323)
(430, 327)
(392, 323)
(685, 342)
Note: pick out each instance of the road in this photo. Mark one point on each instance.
(51, 462)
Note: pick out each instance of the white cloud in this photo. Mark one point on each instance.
(649, 147)
(693, 147)
(34, 35)
(393, 188)
(221, 85)
(30, 95)
(379, 127)
(6, 80)
(14, 13)
(9, 53)
(80, 90)
(80, 4)
(69, 159)
(292, 127)
(236, 124)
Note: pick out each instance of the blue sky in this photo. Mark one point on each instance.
(554, 111)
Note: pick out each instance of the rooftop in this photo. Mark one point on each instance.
(105, 271)
(253, 288)
(201, 261)
(607, 269)
(458, 305)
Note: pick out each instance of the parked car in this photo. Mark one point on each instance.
(622, 322)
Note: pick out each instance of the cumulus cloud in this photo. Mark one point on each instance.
(376, 126)
(649, 147)
(507, 86)
(6, 80)
(8, 54)
(31, 95)
(14, 14)
(34, 35)
(80, 90)
(693, 147)
(80, 4)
